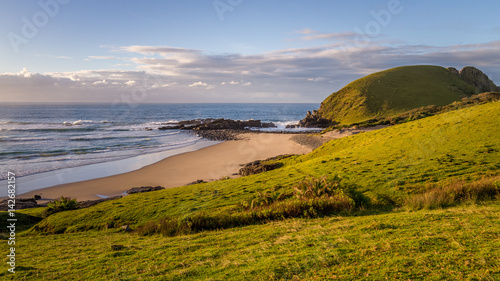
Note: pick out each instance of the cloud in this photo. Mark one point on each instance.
(345, 36)
(196, 84)
(306, 31)
(101, 57)
(309, 74)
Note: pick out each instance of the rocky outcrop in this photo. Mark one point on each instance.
(21, 203)
(476, 78)
(261, 166)
(90, 203)
(454, 71)
(216, 124)
(314, 120)
(144, 189)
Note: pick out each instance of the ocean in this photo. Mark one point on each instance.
(36, 139)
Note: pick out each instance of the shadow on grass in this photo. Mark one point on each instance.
(24, 222)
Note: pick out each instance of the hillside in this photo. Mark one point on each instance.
(394, 91)
(380, 239)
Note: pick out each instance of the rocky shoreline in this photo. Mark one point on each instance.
(227, 129)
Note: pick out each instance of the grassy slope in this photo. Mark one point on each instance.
(394, 161)
(391, 92)
(459, 243)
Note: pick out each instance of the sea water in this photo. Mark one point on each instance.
(39, 138)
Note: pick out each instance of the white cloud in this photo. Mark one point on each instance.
(101, 57)
(101, 82)
(199, 83)
(308, 74)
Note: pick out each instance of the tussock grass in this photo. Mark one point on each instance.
(311, 198)
(455, 193)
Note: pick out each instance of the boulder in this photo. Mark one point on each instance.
(144, 189)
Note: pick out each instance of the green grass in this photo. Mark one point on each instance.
(392, 92)
(391, 162)
(391, 166)
(459, 243)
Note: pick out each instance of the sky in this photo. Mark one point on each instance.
(124, 51)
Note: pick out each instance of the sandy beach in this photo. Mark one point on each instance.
(210, 163)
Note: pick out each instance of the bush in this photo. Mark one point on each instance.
(59, 205)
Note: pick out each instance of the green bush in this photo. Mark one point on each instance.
(59, 205)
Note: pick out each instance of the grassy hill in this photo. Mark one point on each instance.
(388, 167)
(394, 91)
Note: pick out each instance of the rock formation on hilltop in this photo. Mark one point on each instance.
(391, 92)
(476, 78)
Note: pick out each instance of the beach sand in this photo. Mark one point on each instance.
(210, 163)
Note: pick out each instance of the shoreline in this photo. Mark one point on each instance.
(208, 163)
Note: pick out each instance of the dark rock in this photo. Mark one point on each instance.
(118, 247)
(220, 135)
(197, 182)
(261, 166)
(176, 127)
(216, 124)
(21, 203)
(454, 71)
(478, 79)
(144, 189)
(37, 197)
(314, 120)
(90, 203)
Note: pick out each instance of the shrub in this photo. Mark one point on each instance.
(59, 205)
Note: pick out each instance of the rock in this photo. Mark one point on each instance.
(261, 166)
(314, 120)
(220, 135)
(478, 79)
(37, 197)
(196, 182)
(126, 228)
(216, 124)
(144, 189)
(21, 203)
(454, 71)
(90, 203)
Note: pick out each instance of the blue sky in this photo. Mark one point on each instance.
(230, 50)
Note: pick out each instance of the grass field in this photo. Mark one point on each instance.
(384, 239)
